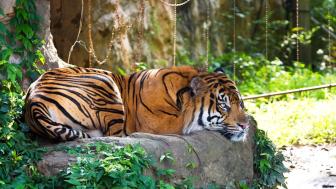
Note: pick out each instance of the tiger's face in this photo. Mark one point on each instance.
(220, 106)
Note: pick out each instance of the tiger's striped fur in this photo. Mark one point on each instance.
(70, 103)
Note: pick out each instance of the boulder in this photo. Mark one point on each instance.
(216, 159)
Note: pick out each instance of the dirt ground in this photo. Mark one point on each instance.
(311, 166)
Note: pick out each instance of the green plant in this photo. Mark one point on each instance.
(19, 51)
(100, 165)
(268, 163)
(290, 40)
(323, 15)
(167, 156)
(191, 165)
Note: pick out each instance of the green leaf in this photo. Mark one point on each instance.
(27, 30)
(121, 71)
(13, 73)
(40, 56)
(3, 62)
(73, 182)
(4, 108)
(27, 44)
(191, 165)
(166, 172)
(167, 156)
(243, 185)
(295, 29)
(6, 53)
(3, 28)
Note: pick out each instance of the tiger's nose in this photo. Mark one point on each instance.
(243, 126)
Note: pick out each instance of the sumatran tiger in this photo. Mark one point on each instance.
(71, 103)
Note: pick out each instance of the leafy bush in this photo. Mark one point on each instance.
(268, 163)
(102, 166)
(17, 152)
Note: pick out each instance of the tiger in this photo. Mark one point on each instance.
(66, 104)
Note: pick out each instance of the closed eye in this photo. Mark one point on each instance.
(223, 107)
(242, 105)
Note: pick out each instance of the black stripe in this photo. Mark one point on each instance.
(225, 81)
(66, 96)
(210, 105)
(167, 74)
(192, 117)
(60, 107)
(221, 90)
(171, 104)
(158, 72)
(113, 122)
(171, 114)
(200, 121)
(179, 96)
(142, 80)
(129, 82)
(92, 87)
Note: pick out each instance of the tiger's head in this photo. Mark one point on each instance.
(218, 106)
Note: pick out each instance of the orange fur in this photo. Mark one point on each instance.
(67, 103)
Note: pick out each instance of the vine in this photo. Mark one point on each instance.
(19, 56)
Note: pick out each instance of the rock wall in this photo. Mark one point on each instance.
(48, 49)
(217, 159)
(156, 44)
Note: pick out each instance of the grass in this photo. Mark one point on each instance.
(297, 121)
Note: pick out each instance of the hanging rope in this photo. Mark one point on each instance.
(174, 23)
(174, 37)
(329, 36)
(140, 29)
(92, 54)
(266, 29)
(79, 31)
(297, 32)
(175, 4)
(234, 40)
(91, 50)
(206, 36)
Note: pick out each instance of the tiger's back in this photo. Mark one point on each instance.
(155, 100)
(71, 103)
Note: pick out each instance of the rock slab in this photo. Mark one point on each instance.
(215, 159)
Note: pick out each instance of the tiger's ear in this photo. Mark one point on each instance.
(198, 86)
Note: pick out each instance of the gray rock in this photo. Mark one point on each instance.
(215, 158)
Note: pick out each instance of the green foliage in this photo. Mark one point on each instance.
(17, 152)
(191, 165)
(268, 163)
(102, 166)
(324, 15)
(167, 156)
(288, 46)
